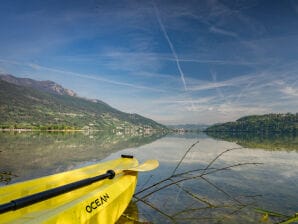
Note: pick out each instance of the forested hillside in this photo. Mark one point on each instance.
(268, 123)
(24, 107)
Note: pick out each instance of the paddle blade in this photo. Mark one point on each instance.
(146, 166)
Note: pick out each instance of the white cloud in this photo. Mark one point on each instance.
(290, 91)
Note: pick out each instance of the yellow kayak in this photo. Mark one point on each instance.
(94, 194)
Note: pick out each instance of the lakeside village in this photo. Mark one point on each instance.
(118, 130)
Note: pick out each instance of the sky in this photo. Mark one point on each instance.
(176, 62)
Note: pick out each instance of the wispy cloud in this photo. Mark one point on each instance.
(217, 30)
(290, 91)
(199, 85)
(39, 68)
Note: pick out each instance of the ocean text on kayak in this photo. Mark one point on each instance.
(97, 202)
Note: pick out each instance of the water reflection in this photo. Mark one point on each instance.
(229, 183)
(271, 142)
(131, 215)
(34, 154)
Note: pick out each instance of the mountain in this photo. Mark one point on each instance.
(47, 86)
(268, 123)
(25, 106)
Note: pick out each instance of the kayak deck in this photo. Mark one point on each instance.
(101, 202)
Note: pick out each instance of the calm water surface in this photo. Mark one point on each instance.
(231, 182)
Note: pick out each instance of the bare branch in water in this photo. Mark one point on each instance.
(221, 190)
(146, 182)
(156, 209)
(187, 178)
(195, 174)
(183, 157)
(196, 197)
(189, 210)
(219, 155)
(229, 167)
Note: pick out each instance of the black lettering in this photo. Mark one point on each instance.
(97, 202)
(102, 199)
(88, 209)
(92, 203)
(106, 196)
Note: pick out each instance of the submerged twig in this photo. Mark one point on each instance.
(195, 197)
(221, 190)
(153, 207)
(189, 210)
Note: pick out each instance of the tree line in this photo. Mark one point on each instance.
(268, 123)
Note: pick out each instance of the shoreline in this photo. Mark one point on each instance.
(39, 130)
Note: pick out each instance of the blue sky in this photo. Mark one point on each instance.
(176, 62)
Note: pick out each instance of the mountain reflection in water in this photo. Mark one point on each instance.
(29, 155)
(274, 141)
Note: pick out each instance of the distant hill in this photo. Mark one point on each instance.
(29, 104)
(268, 123)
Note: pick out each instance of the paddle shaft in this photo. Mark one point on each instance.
(44, 195)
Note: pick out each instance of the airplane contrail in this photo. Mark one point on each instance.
(171, 46)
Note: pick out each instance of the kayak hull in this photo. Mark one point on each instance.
(101, 202)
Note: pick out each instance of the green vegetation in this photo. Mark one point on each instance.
(265, 124)
(26, 108)
(270, 131)
(270, 142)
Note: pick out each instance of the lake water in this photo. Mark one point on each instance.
(200, 179)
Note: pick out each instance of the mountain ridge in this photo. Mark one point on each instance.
(31, 108)
(47, 85)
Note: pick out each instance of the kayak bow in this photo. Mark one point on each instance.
(77, 196)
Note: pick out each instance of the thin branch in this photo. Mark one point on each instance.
(221, 190)
(196, 197)
(153, 185)
(146, 182)
(188, 178)
(219, 155)
(183, 157)
(228, 167)
(191, 171)
(177, 178)
(200, 208)
(156, 209)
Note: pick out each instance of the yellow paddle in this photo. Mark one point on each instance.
(146, 166)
